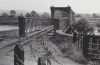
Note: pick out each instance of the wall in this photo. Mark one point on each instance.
(61, 24)
(72, 17)
(60, 34)
(64, 24)
(58, 14)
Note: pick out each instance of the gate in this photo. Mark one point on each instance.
(90, 45)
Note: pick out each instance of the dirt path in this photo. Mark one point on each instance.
(8, 59)
(59, 55)
(58, 58)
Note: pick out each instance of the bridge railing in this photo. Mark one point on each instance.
(30, 24)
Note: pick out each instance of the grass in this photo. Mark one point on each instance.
(69, 49)
(10, 34)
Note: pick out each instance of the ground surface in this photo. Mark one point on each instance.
(56, 57)
(8, 59)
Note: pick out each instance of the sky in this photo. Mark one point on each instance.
(78, 6)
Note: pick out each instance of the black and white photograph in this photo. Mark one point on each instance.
(49, 32)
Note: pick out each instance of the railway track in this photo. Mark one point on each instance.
(40, 52)
(23, 40)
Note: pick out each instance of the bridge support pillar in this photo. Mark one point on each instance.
(56, 25)
(74, 36)
(44, 61)
(52, 11)
(21, 26)
(18, 55)
(85, 45)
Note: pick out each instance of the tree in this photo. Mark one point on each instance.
(98, 24)
(28, 15)
(37, 15)
(45, 14)
(95, 15)
(4, 15)
(78, 15)
(64, 14)
(21, 14)
(12, 12)
(33, 13)
(83, 25)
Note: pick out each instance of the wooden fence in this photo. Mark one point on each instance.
(78, 38)
(90, 45)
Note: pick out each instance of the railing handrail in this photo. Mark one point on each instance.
(39, 17)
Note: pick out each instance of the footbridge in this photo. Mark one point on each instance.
(61, 19)
(32, 29)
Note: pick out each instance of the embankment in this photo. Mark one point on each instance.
(68, 48)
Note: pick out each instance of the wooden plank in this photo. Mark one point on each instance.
(93, 54)
(91, 49)
(93, 44)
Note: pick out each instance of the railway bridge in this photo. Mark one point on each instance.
(61, 19)
(32, 29)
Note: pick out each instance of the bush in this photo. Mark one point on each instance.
(69, 49)
(83, 25)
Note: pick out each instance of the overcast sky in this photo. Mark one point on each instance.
(78, 6)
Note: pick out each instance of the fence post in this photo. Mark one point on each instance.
(44, 61)
(85, 45)
(78, 39)
(81, 39)
(97, 45)
(56, 25)
(74, 36)
(21, 26)
(18, 55)
(94, 39)
(43, 42)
